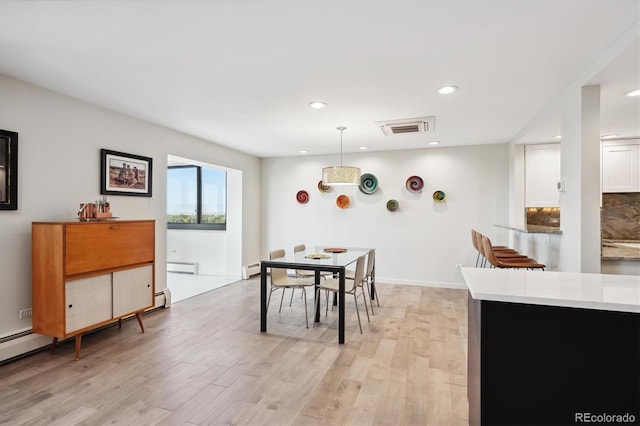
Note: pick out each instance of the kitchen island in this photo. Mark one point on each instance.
(552, 347)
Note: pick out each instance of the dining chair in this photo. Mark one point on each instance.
(369, 277)
(351, 287)
(281, 280)
(303, 273)
(514, 263)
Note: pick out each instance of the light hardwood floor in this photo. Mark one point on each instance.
(204, 361)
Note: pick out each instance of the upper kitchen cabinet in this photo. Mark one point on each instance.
(620, 164)
(542, 173)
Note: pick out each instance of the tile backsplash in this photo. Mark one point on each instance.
(544, 216)
(620, 216)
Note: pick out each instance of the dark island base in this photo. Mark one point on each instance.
(547, 365)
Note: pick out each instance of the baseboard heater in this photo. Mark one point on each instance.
(250, 270)
(183, 267)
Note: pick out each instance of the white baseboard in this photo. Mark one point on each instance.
(31, 342)
(459, 286)
(23, 345)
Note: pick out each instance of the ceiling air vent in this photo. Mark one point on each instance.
(408, 125)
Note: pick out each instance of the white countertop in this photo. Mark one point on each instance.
(619, 293)
(532, 229)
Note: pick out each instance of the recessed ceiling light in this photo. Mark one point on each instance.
(434, 143)
(445, 90)
(364, 147)
(611, 136)
(303, 151)
(558, 136)
(317, 104)
(633, 93)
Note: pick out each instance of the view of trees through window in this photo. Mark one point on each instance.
(196, 197)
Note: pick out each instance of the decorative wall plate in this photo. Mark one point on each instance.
(368, 184)
(322, 187)
(414, 184)
(302, 197)
(392, 205)
(439, 197)
(343, 201)
(335, 250)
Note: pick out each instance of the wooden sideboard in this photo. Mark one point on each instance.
(89, 274)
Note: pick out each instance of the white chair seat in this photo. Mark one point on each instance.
(295, 282)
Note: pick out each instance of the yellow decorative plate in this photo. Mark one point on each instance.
(317, 256)
(439, 197)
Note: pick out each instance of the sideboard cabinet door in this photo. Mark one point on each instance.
(88, 301)
(132, 290)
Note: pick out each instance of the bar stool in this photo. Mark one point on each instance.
(514, 263)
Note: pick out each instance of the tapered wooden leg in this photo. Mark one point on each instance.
(139, 316)
(78, 345)
(119, 322)
(53, 344)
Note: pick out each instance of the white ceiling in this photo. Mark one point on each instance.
(241, 73)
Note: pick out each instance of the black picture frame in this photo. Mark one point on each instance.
(8, 170)
(125, 174)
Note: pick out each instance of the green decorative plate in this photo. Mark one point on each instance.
(368, 184)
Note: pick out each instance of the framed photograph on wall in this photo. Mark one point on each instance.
(8, 170)
(125, 174)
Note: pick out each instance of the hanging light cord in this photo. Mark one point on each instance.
(342, 129)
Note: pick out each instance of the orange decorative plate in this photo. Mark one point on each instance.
(335, 250)
(343, 201)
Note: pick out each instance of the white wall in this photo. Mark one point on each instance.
(207, 248)
(59, 163)
(580, 159)
(422, 242)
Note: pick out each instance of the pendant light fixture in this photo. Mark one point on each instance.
(341, 175)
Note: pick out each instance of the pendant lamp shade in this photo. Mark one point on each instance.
(341, 175)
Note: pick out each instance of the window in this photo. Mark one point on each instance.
(196, 198)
